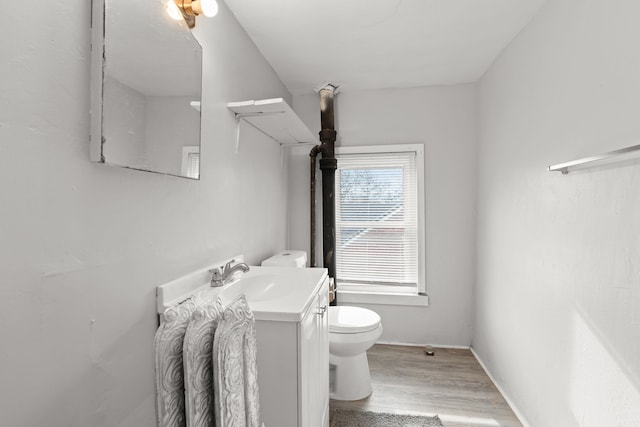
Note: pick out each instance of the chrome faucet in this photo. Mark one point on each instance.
(219, 278)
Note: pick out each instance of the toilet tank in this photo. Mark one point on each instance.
(287, 259)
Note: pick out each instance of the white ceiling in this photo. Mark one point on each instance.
(371, 44)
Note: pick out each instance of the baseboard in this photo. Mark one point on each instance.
(511, 404)
(412, 344)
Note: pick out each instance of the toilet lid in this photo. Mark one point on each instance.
(351, 320)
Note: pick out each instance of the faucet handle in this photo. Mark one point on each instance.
(227, 266)
(217, 277)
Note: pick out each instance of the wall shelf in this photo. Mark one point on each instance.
(275, 118)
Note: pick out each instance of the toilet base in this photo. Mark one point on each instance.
(349, 377)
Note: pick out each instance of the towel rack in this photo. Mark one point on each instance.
(564, 167)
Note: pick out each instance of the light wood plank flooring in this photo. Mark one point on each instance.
(451, 384)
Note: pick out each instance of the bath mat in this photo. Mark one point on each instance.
(350, 418)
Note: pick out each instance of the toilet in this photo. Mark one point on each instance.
(352, 331)
(287, 259)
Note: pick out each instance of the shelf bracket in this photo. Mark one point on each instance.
(240, 116)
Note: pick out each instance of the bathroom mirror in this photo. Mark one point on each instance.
(146, 88)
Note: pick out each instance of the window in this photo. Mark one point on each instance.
(191, 161)
(379, 219)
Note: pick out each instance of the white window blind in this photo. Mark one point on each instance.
(377, 219)
(193, 165)
(191, 161)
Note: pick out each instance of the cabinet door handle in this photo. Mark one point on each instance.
(322, 310)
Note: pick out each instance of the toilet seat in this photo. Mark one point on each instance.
(352, 320)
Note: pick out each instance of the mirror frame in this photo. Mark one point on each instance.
(97, 77)
(96, 146)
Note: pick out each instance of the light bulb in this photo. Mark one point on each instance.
(208, 8)
(173, 10)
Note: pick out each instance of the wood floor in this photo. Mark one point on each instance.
(451, 384)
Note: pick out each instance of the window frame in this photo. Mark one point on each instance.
(384, 294)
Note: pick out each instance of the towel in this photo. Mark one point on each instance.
(237, 402)
(168, 342)
(198, 364)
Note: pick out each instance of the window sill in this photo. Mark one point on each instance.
(384, 298)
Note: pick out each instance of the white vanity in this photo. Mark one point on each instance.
(293, 351)
(290, 306)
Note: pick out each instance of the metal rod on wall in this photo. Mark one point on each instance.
(564, 167)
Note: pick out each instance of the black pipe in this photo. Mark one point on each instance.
(312, 206)
(328, 166)
(326, 109)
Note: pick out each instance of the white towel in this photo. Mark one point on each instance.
(237, 402)
(198, 364)
(169, 367)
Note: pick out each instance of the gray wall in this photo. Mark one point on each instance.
(84, 245)
(444, 119)
(558, 288)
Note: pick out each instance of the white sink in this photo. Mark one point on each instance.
(273, 293)
(279, 293)
(262, 287)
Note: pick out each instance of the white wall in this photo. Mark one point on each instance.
(83, 245)
(558, 288)
(443, 118)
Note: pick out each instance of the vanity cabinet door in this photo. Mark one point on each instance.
(314, 362)
(293, 367)
(323, 351)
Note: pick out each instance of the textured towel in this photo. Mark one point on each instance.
(198, 364)
(168, 343)
(235, 376)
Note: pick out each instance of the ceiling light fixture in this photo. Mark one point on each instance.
(189, 9)
(173, 10)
